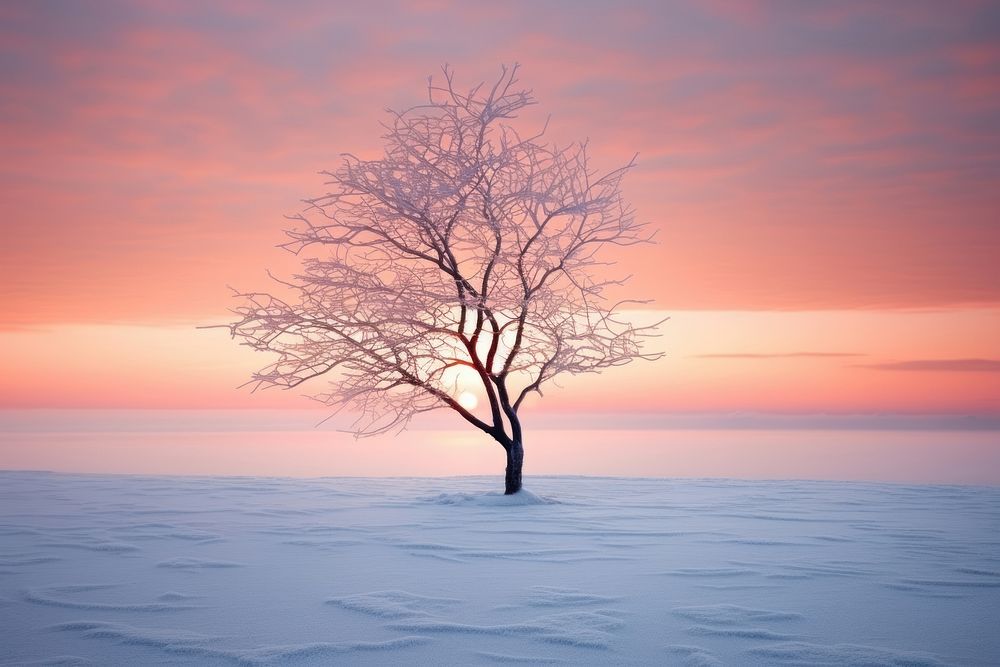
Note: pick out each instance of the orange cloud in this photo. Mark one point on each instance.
(941, 365)
(792, 160)
(803, 158)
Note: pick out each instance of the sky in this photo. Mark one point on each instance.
(823, 178)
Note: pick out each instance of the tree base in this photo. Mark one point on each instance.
(515, 461)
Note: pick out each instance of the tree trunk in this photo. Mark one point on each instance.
(515, 458)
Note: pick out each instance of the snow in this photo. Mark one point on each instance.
(101, 569)
(491, 499)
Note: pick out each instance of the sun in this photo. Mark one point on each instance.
(468, 400)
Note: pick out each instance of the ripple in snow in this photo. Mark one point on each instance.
(196, 563)
(589, 629)
(731, 614)
(839, 655)
(62, 596)
(187, 643)
(695, 656)
(551, 596)
(392, 604)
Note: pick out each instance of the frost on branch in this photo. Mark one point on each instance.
(466, 248)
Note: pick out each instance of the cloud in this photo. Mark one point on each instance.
(779, 355)
(940, 365)
(795, 157)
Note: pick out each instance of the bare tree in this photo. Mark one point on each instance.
(467, 253)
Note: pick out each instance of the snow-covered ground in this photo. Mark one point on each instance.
(141, 570)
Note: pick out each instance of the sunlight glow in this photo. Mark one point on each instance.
(468, 400)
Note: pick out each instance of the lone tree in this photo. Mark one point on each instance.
(466, 255)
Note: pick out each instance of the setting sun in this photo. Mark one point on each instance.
(468, 400)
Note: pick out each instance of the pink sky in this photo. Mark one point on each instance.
(824, 178)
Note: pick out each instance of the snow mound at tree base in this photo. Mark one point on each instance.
(492, 499)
